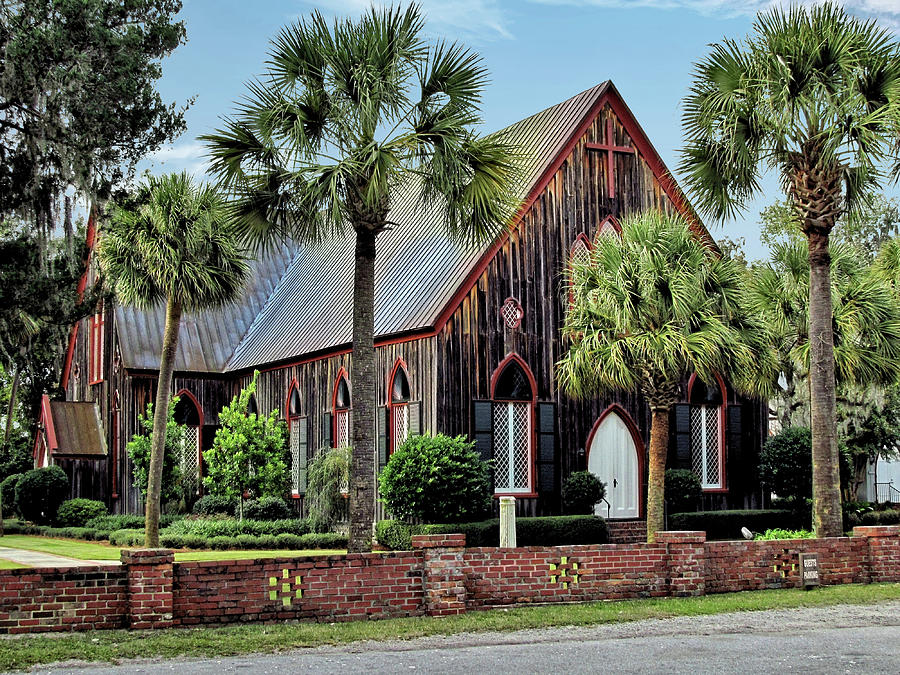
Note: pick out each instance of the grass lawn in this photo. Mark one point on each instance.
(109, 646)
(9, 565)
(95, 550)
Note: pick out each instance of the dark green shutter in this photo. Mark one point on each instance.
(546, 454)
(328, 435)
(734, 445)
(381, 426)
(415, 418)
(303, 452)
(483, 424)
(682, 418)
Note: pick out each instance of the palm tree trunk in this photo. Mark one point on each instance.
(656, 480)
(160, 416)
(827, 520)
(362, 465)
(11, 408)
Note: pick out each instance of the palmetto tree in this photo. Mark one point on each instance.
(866, 320)
(813, 94)
(175, 244)
(649, 310)
(347, 116)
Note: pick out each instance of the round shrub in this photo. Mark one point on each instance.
(77, 512)
(40, 492)
(289, 541)
(127, 537)
(214, 505)
(393, 535)
(8, 494)
(247, 541)
(222, 543)
(171, 540)
(581, 491)
(436, 479)
(785, 464)
(265, 508)
(683, 490)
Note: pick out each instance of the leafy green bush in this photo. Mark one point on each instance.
(889, 517)
(126, 537)
(289, 541)
(8, 494)
(266, 508)
(222, 543)
(167, 540)
(785, 463)
(436, 478)
(683, 490)
(138, 450)
(129, 522)
(728, 524)
(39, 493)
(77, 512)
(328, 475)
(581, 492)
(323, 540)
(543, 531)
(230, 527)
(777, 533)
(214, 505)
(21, 527)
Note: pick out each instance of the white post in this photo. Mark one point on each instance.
(507, 522)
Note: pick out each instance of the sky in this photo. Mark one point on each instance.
(538, 53)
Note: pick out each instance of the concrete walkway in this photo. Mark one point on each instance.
(37, 559)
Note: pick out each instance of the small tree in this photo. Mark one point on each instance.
(40, 492)
(437, 479)
(248, 456)
(785, 464)
(138, 450)
(683, 490)
(328, 476)
(581, 492)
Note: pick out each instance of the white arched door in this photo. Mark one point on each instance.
(613, 459)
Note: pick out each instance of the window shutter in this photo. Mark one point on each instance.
(381, 427)
(328, 436)
(303, 447)
(415, 418)
(350, 427)
(682, 415)
(734, 446)
(484, 429)
(546, 455)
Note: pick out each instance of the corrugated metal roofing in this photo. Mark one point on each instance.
(77, 429)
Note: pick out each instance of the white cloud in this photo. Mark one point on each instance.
(189, 157)
(478, 18)
(886, 11)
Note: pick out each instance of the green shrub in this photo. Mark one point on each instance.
(173, 485)
(230, 527)
(581, 492)
(889, 517)
(327, 475)
(289, 541)
(8, 494)
(266, 541)
(247, 541)
(214, 505)
(777, 533)
(323, 540)
(728, 524)
(394, 535)
(40, 492)
(129, 522)
(222, 543)
(683, 490)
(265, 508)
(785, 464)
(21, 527)
(127, 537)
(77, 512)
(436, 479)
(167, 540)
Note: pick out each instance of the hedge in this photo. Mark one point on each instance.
(888, 517)
(543, 531)
(128, 522)
(229, 527)
(77, 512)
(728, 524)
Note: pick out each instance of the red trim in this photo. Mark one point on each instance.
(612, 220)
(115, 444)
(513, 356)
(82, 285)
(584, 239)
(639, 447)
(95, 348)
(341, 374)
(519, 309)
(723, 420)
(199, 434)
(610, 148)
(287, 403)
(196, 403)
(392, 405)
(44, 443)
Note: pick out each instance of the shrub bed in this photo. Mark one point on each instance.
(728, 524)
(545, 531)
(888, 517)
(229, 527)
(128, 522)
(77, 512)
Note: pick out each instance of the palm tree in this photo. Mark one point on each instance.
(347, 116)
(813, 94)
(866, 323)
(176, 244)
(649, 310)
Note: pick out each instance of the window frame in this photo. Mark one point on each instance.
(396, 406)
(341, 416)
(293, 416)
(720, 413)
(95, 347)
(199, 442)
(530, 404)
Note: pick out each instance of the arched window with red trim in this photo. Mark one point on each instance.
(298, 440)
(341, 406)
(513, 395)
(399, 407)
(95, 347)
(188, 413)
(609, 226)
(707, 432)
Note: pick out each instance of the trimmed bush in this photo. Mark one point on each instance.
(129, 522)
(289, 541)
(770, 535)
(323, 540)
(40, 492)
(8, 493)
(230, 527)
(436, 478)
(728, 524)
(222, 543)
(393, 535)
(683, 490)
(247, 541)
(265, 508)
(785, 463)
(581, 492)
(889, 517)
(214, 505)
(77, 512)
(167, 540)
(127, 537)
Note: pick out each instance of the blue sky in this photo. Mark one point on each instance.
(538, 52)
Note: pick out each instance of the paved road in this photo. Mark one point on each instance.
(845, 639)
(37, 559)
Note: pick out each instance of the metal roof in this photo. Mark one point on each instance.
(299, 301)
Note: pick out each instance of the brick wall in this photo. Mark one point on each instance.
(439, 577)
(333, 588)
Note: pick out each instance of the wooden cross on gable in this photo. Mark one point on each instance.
(610, 148)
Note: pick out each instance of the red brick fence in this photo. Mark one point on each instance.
(440, 576)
